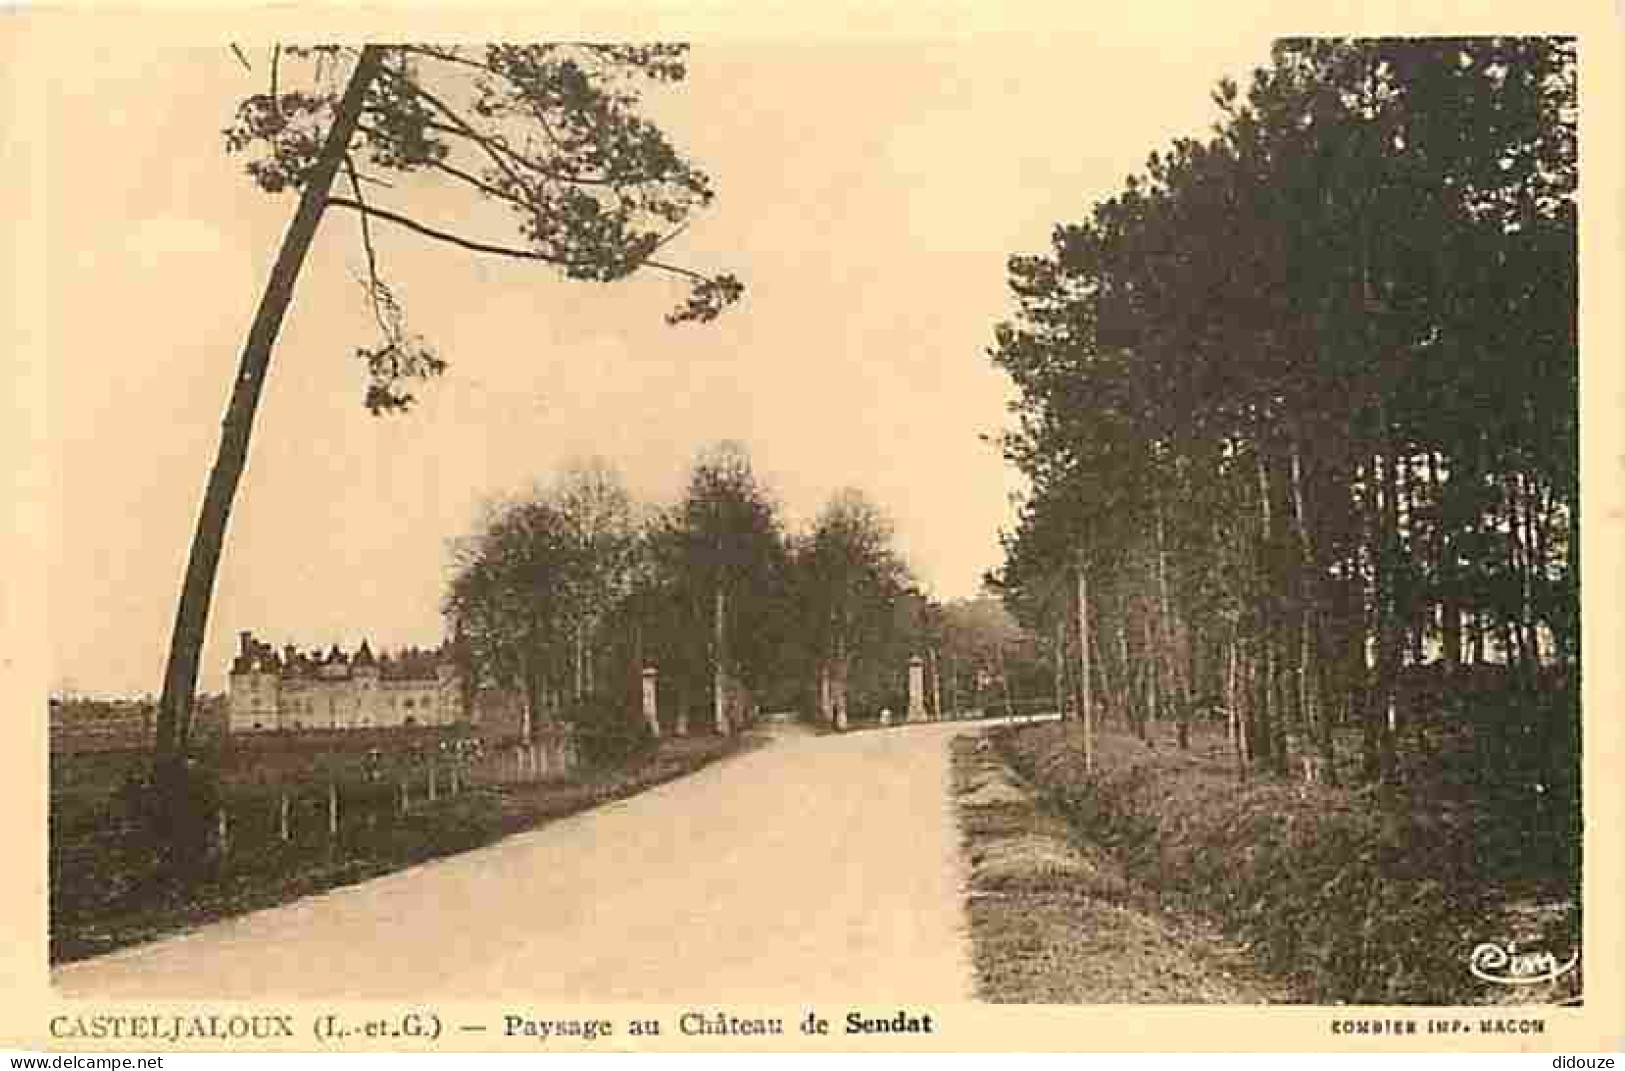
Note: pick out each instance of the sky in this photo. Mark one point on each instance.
(869, 195)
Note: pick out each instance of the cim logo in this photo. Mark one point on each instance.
(1508, 966)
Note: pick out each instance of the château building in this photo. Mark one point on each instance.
(298, 690)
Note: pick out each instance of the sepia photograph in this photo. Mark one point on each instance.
(816, 536)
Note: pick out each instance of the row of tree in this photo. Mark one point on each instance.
(570, 591)
(1298, 408)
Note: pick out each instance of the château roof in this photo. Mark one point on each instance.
(409, 663)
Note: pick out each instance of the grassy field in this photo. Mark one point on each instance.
(1344, 895)
(108, 888)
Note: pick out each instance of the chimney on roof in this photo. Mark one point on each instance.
(245, 640)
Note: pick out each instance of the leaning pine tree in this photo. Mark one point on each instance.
(553, 132)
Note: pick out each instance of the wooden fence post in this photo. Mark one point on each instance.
(433, 794)
(406, 794)
(282, 825)
(222, 831)
(333, 809)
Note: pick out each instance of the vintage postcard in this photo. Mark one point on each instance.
(696, 527)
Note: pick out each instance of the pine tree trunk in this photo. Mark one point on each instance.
(1128, 708)
(1060, 666)
(720, 670)
(841, 669)
(1153, 681)
(579, 663)
(1569, 641)
(936, 684)
(1232, 701)
(587, 659)
(533, 699)
(1539, 515)
(1180, 684)
(1534, 568)
(1444, 565)
(197, 591)
(1085, 683)
(1370, 748)
(1271, 722)
(1390, 628)
(1103, 671)
(1316, 700)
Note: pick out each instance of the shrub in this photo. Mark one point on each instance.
(609, 733)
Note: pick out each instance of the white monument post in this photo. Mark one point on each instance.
(651, 708)
(916, 689)
(838, 697)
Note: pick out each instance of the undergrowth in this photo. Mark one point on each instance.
(1355, 896)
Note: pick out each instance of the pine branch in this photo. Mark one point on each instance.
(524, 90)
(456, 172)
(470, 244)
(687, 273)
(500, 144)
(476, 246)
(482, 185)
(497, 143)
(464, 126)
(366, 243)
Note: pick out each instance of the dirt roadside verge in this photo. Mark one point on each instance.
(1057, 921)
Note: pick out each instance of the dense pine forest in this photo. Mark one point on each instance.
(1298, 408)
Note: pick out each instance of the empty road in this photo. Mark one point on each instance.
(813, 867)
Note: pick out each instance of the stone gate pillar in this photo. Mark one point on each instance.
(651, 703)
(838, 700)
(916, 689)
(722, 691)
